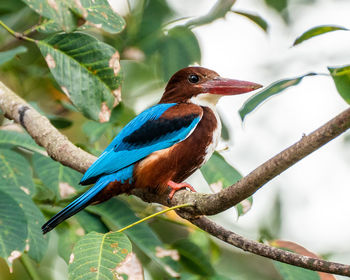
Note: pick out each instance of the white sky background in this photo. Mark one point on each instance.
(316, 191)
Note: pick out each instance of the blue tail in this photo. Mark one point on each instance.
(77, 205)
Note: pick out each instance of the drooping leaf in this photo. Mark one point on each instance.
(15, 138)
(116, 215)
(8, 55)
(87, 71)
(267, 92)
(97, 256)
(258, 20)
(61, 180)
(58, 11)
(341, 78)
(100, 14)
(178, 49)
(37, 242)
(316, 31)
(13, 228)
(219, 10)
(290, 272)
(15, 170)
(219, 174)
(193, 258)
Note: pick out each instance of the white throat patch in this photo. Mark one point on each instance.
(210, 100)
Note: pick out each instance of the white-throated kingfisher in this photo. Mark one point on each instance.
(163, 145)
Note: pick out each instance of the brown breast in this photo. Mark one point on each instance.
(181, 160)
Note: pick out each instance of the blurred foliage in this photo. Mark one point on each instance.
(75, 59)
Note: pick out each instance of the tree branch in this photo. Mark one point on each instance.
(62, 150)
(269, 251)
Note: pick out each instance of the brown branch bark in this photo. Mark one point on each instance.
(269, 251)
(62, 150)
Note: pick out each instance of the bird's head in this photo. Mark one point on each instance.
(200, 85)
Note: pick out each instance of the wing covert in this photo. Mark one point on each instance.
(152, 130)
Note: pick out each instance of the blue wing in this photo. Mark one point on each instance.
(145, 134)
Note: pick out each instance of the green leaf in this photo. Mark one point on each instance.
(15, 170)
(8, 55)
(97, 256)
(61, 180)
(316, 31)
(60, 122)
(290, 272)
(68, 236)
(59, 11)
(244, 206)
(219, 10)
(100, 14)
(13, 227)
(87, 71)
(15, 138)
(341, 78)
(94, 130)
(254, 18)
(90, 222)
(116, 215)
(278, 5)
(178, 49)
(267, 92)
(219, 174)
(49, 26)
(217, 171)
(37, 242)
(210, 248)
(193, 258)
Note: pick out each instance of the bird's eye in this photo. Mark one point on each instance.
(193, 78)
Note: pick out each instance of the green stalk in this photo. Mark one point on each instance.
(16, 34)
(30, 267)
(154, 215)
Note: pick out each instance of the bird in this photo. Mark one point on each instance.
(163, 145)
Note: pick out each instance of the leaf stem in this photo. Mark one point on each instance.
(154, 215)
(30, 268)
(17, 35)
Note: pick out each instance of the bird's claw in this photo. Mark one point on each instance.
(178, 186)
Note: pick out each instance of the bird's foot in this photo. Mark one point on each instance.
(178, 186)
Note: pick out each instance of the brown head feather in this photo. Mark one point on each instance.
(180, 89)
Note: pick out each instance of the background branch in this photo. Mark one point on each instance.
(62, 150)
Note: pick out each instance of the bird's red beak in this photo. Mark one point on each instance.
(223, 86)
